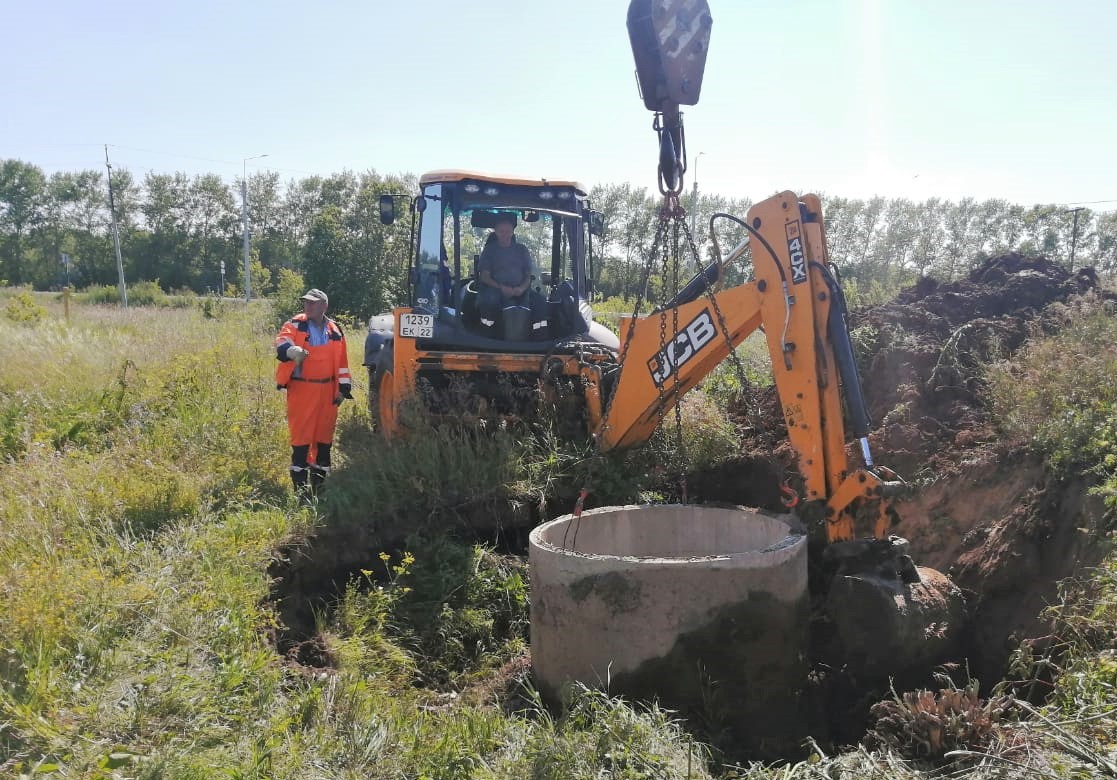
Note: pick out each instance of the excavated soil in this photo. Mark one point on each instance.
(983, 510)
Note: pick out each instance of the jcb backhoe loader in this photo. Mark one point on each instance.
(439, 346)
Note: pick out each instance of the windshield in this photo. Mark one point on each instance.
(548, 223)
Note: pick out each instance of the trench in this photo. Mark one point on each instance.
(1010, 535)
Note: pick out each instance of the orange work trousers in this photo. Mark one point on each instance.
(311, 414)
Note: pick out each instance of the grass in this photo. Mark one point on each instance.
(1057, 395)
(143, 495)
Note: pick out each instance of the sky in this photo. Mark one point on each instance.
(1013, 99)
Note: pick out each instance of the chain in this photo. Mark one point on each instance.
(595, 461)
(733, 356)
(679, 443)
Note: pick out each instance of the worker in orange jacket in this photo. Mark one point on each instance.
(314, 370)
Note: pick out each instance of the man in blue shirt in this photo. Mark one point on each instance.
(504, 269)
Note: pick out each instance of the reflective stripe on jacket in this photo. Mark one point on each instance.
(324, 363)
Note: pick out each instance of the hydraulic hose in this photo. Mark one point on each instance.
(838, 328)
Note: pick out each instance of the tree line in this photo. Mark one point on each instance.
(182, 230)
(186, 232)
(880, 244)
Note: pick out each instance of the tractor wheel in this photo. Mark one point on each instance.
(372, 394)
(382, 392)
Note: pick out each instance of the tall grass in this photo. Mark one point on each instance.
(1058, 394)
(142, 496)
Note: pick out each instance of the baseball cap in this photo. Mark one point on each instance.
(314, 294)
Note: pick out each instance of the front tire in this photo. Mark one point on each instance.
(382, 392)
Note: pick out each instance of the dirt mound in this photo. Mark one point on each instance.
(985, 511)
(924, 354)
(921, 358)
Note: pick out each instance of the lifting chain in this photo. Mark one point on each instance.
(595, 461)
(712, 297)
(680, 445)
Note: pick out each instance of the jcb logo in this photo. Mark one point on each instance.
(682, 347)
(795, 250)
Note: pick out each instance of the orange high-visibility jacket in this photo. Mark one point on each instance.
(324, 363)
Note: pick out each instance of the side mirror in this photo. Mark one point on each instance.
(420, 204)
(531, 216)
(597, 224)
(387, 210)
(545, 277)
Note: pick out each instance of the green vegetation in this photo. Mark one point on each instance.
(1058, 393)
(185, 231)
(143, 496)
(23, 308)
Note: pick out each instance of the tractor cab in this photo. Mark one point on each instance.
(457, 214)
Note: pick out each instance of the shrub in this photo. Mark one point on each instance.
(214, 308)
(145, 293)
(103, 294)
(23, 308)
(708, 436)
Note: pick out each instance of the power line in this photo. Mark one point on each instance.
(172, 154)
(223, 162)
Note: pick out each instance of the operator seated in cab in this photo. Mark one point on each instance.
(503, 270)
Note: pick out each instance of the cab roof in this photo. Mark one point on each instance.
(452, 175)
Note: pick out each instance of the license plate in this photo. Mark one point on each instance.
(416, 326)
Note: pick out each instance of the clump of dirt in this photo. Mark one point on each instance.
(984, 511)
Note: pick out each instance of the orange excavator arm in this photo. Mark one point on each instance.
(793, 298)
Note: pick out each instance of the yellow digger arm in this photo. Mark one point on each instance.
(670, 351)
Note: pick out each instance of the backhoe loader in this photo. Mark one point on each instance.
(623, 386)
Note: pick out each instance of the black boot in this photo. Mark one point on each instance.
(299, 476)
(318, 476)
(320, 468)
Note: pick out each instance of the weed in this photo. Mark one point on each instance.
(465, 608)
(926, 725)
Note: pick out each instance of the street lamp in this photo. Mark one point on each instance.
(244, 223)
(694, 205)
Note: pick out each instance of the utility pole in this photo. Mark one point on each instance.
(1074, 235)
(116, 237)
(694, 208)
(244, 224)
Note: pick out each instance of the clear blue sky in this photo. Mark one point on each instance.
(987, 98)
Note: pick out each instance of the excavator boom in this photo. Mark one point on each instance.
(792, 298)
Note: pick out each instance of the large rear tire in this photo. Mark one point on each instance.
(372, 394)
(382, 392)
